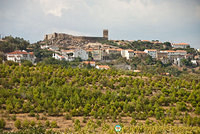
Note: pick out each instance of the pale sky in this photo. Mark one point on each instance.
(165, 20)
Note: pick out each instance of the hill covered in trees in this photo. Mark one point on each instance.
(83, 100)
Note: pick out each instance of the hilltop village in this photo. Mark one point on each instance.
(102, 53)
(100, 49)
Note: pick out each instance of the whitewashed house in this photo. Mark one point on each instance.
(72, 54)
(151, 52)
(113, 51)
(194, 62)
(58, 57)
(18, 56)
(127, 53)
(54, 48)
(45, 47)
(180, 45)
(175, 53)
(175, 56)
(102, 67)
(97, 54)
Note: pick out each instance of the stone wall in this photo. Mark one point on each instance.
(70, 40)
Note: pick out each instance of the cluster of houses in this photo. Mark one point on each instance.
(100, 53)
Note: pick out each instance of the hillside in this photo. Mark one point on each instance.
(73, 98)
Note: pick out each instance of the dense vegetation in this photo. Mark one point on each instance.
(92, 128)
(138, 45)
(11, 44)
(106, 95)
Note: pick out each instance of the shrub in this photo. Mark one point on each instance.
(68, 116)
(32, 123)
(54, 124)
(18, 124)
(13, 117)
(197, 110)
(37, 116)
(133, 121)
(2, 123)
(25, 124)
(99, 123)
(84, 119)
(40, 124)
(32, 114)
(47, 123)
(77, 125)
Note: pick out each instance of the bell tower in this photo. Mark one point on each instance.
(105, 33)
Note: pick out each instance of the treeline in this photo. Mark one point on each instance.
(10, 44)
(138, 45)
(102, 128)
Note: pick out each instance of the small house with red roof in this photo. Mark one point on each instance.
(127, 53)
(151, 52)
(102, 67)
(180, 45)
(19, 55)
(91, 63)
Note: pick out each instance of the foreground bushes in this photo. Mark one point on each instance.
(92, 128)
(2, 123)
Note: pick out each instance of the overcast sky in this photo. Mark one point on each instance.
(166, 20)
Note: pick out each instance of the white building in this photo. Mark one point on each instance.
(151, 52)
(180, 45)
(173, 52)
(113, 51)
(59, 57)
(181, 52)
(194, 62)
(18, 56)
(128, 53)
(45, 47)
(102, 67)
(97, 54)
(72, 54)
(54, 48)
(175, 56)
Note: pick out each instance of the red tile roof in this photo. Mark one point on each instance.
(183, 51)
(18, 52)
(184, 44)
(151, 49)
(68, 51)
(139, 52)
(130, 50)
(146, 41)
(31, 53)
(170, 51)
(113, 49)
(104, 66)
(89, 62)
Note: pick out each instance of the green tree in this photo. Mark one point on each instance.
(2, 123)
(197, 110)
(77, 125)
(18, 124)
(25, 124)
(54, 124)
(68, 116)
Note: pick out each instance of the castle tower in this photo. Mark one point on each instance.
(105, 33)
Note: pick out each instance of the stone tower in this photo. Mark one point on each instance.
(105, 33)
